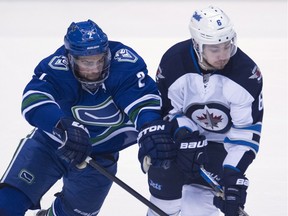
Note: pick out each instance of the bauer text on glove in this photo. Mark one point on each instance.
(192, 151)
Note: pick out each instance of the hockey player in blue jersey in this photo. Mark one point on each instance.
(89, 98)
(213, 88)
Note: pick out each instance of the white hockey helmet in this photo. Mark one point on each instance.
(211, 26)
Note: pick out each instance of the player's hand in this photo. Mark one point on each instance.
(156, 144)
(235, 185)
(192, 151)
(75, 141)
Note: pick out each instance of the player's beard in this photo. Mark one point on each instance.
(219, 65)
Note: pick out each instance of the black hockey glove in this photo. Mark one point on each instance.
(192, 151)
(234, 185)
(75, 137)
(156, 144)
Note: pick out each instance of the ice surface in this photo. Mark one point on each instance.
(31, 30)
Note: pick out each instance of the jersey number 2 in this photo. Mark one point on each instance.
(141, 76)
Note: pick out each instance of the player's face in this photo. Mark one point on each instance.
(89, 67)
(217, 55)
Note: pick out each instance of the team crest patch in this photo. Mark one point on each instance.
(159, 74)
(197, 16)
(256, 74)
(209, 119)
(26, 176)
(59, 63)
(212, 117)
(104, 114)
(125, 55)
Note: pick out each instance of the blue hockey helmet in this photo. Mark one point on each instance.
(86, 39)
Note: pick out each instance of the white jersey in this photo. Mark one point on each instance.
(225, 105)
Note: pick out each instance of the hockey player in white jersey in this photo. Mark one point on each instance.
(211, 87)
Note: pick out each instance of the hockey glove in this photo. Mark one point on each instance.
(156, 144)
(192, 151)
(75, 141)
(234, 185)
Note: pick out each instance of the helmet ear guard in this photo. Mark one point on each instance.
(211, 26)
(87, 39)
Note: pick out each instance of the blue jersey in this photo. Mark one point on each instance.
(126, 100)
(225, 105)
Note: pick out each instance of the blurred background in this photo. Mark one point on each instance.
(32, 30)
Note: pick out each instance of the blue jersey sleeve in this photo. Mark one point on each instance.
(134, 91)
(41, 96)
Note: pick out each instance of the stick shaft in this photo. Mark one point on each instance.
(123, 185)
(217, 188)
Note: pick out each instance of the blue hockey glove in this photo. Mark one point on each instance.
(75, 137)
(192, 151)
(234, 185)
(156, 144)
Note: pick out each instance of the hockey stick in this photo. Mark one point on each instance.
(122, 184)
(218, 191)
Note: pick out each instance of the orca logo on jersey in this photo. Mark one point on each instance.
(59, 63)
(125, 55)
